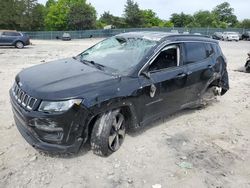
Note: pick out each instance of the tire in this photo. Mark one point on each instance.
(247, 66)
(108, 133)
(19, 44)
(248, 69)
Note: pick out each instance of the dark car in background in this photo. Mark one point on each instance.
(246, 35)
(119, 84)
(66, 36)
(14, 38)
(217, 36)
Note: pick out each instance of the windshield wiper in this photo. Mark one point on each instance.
(97, 65)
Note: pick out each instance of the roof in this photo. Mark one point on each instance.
(157, 36)
(4, 30)
(151, 35)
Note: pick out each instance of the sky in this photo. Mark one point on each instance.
(164, 8)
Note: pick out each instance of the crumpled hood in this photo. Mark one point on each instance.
(61, 79)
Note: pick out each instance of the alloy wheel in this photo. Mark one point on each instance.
(117, 132)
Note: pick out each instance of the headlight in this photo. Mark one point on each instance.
(58, 106)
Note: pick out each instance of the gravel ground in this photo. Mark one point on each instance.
(193, 148)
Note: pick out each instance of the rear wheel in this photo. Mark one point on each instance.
(19, 44)
(248, 67)
(108, 133)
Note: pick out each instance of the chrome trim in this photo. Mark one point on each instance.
(23, 98)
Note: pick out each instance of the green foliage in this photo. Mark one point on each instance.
(38, 16)
(70, 15)
(49, 3)
(225, 13)
(244, 24)
(150, 18)
(22, 15)
(133, 15)
(57, 15)
(81, 16)
(108, 19)
(181, 20)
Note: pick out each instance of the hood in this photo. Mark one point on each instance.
(62, 79)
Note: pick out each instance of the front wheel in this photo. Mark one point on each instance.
(19, 44)
(108, 133)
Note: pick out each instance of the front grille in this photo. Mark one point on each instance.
(23, 98)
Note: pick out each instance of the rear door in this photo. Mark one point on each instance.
(199, 59)
(9, 37)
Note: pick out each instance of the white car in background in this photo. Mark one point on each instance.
(230, 36)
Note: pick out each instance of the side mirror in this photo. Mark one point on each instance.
(146, 74)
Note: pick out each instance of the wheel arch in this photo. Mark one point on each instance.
(126, 109)
(15, 42)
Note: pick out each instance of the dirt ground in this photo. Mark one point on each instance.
(194, 148)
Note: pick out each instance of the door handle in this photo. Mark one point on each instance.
(182, 75)
(209, 66)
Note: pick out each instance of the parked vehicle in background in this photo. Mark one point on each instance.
(217, 36)
(230, 36)
(174, 31)
(66, 36)
(107, 27)
(119, 84)
(246, 35)
(13, 38)
(197, 33)
(247, 65)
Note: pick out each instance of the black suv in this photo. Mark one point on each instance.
(119, 84)
(246, 35)
(13, 38)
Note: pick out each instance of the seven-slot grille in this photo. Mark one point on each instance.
(23, 98)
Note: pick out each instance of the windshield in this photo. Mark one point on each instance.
(118, 53)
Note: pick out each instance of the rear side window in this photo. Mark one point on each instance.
(216, 49)
(11, 34)
(209, 50)
(194, 51)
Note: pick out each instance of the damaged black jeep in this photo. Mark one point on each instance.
(119, 84)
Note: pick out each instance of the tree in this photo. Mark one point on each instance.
(133, 15)
(181, 20)
(203, 19)
(225, 13)
(81, 16)
(49, 3)
(70, 14)
(9, 12)
(150, 18)
(56, 18)
(245, 23)
(38, 16)
(21, 15)
(109, 19)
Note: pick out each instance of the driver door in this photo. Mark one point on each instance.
(163, 83)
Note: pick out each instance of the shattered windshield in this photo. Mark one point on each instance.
(118, 53)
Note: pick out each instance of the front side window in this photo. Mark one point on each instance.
(194, 52)
(118, 53)
(167, 58)
(11, 34)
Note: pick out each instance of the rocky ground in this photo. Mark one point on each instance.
(193, 148)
